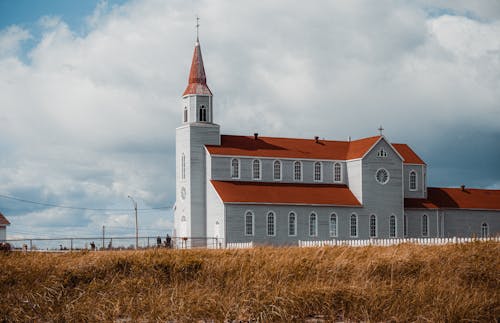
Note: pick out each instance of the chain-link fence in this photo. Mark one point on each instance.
(112, 243)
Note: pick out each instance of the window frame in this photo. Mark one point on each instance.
(183, 166)
(373, 228)
(425, 225)
(382, 152)
(320, 171)
(333, 223)
(294, 224)
(238, 164)
(259, 163)
(355, 217)
(277, 162)
(269, 214)
(203, 113)
(249, 213)
(405, 225)
(388, 176)
(313, 219)
(414, 173)
(297, 162)
(485, 228)
(185, 114)
(391, 227)
(335, 172)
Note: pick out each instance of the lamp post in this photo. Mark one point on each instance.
(136, 229)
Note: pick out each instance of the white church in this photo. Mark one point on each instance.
(277, 191)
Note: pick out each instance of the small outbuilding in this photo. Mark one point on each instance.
(3, 227)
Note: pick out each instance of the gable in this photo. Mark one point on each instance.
(3, 220)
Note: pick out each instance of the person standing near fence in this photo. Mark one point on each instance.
(158, 241)
(92, 246)
(168, 241)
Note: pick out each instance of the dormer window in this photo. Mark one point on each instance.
(382, 153)
(413, 181)
(203, 114)
(185, 114)
(235, 168)
(317, 171)
(256, 169)
(337, 172)
(297, 171)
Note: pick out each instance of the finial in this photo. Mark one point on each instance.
(197, 27)
(380, 129)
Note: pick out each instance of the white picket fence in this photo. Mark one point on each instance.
(239, 245)
(392, 242)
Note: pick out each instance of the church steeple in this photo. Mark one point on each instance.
(197, 79)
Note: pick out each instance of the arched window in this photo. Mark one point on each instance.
(249, 223)
(256, 169)
(292, 224)
(317, 171)
(313, 225)
(373, 226)
(203, 113)
(271, 224)
(277, 170)
(185, 114)
(405, 225)
(425, 225)
(484, 230)
(297, 171)
(333, 225)
(413, 180)
(392, 226)
(337, 172)
(183, 166)
(354, 225)
(235, 168)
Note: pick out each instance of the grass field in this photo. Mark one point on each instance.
(401, 283)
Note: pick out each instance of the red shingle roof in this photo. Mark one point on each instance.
(3, 220)
(455, 198)
(284, 193)
(292, 147)
(409, 156)
(197, 79)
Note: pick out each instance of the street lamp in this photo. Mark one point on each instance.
(136, 230)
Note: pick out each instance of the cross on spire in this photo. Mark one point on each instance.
(380, 129)
(197, 26)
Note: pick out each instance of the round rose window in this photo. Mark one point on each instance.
(382, 176)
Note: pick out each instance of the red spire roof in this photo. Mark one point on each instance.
(197, 78)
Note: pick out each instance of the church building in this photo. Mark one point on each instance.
(277, 191)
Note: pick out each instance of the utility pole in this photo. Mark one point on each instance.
(103, 228)
(136, 228)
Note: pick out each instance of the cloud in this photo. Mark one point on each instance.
(90, 118)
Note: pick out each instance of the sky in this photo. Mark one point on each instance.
(90, 94)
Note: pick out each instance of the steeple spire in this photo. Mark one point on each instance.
(197, 78)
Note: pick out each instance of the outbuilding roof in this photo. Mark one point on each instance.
(456, 198)
(3, 220)
(275, 147)
(284, 193)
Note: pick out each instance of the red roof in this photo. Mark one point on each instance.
(456, 198)
(292, 147)
(409, 156)
(284, 193)
(197, 79)
(3, 220)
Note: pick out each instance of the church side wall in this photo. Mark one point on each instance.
(414, 223)
(215, 212)
(221, 170)
(354, 178)
(467, 223)
(235, 215)
(383, 200)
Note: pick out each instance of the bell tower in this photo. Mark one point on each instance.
(196, 130)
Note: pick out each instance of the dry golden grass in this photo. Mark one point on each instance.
(402, 283)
